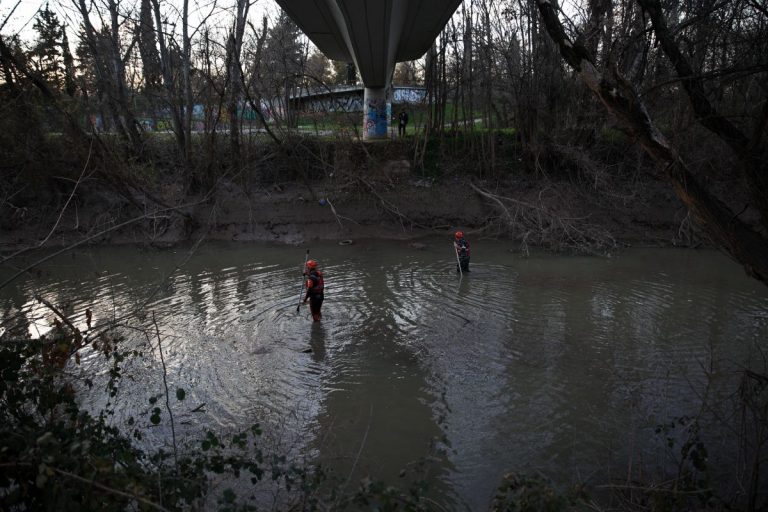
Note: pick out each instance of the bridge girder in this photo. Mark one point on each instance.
(374, 34)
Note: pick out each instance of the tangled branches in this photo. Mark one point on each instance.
(539, 224)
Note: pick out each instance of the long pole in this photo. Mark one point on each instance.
(306, 257)
(456, 251)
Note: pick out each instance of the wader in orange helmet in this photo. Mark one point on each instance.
(462, 250)
(315, 289)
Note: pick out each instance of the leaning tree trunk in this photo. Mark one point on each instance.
(621, 99)
(750, 152)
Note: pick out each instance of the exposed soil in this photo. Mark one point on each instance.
(390, 202)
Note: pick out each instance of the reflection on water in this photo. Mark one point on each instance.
(562, 365)
(317, 342)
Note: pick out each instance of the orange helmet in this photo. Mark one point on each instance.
(459, 234)
(311, 264)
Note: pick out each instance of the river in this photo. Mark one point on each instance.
(555, 365)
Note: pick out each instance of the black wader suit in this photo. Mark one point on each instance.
(462, 249)
(315, 289)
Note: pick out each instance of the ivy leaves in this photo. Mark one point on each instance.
(155, 416)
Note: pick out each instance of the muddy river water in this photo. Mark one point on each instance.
(555, 365)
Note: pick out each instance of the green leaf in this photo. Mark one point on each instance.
(181, 394)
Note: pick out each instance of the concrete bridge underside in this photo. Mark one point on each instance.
(374, 34)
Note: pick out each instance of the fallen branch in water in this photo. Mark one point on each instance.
(75, 330)
(167, 393)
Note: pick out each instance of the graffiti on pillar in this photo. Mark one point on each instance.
(376, 118)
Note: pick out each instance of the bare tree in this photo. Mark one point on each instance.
(109, 63)
(748, 149)
(620, 98)
(234, 76)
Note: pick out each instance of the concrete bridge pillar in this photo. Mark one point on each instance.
(377, 110)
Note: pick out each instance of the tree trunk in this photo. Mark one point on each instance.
(751, 154)
(170, 85)
(187, 82)
(620, 98)
(235, 79)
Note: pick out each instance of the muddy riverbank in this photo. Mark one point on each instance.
(392, 204)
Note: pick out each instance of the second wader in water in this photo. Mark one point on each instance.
(462, 250)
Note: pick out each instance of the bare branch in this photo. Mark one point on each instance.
(95, 236)
(620, 98)
(2, 25)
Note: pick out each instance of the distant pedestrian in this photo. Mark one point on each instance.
(403, 122)
(315, 289)
(462, 251)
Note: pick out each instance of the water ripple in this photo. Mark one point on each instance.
(521, 364)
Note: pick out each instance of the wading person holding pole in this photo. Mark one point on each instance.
(461, 246)
(315, 289)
